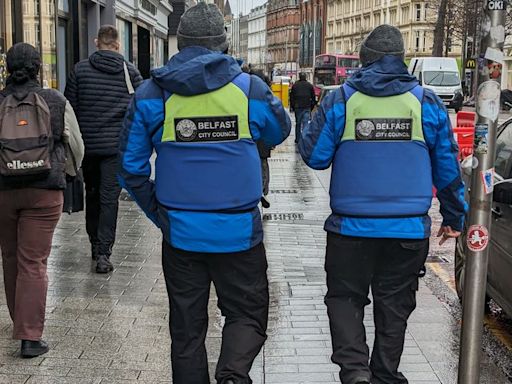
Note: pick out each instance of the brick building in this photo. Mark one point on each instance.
(283, 24)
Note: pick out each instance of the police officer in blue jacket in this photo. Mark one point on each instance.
(203, 116)
(389, 141)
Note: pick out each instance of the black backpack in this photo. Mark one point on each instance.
(25, 136)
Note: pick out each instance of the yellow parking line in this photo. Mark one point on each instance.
(495, 327)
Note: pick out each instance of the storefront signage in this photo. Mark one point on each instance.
(470, 64)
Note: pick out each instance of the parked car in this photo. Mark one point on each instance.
(441, 75)
(499, 283)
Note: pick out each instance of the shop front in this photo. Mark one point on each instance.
(33, 22)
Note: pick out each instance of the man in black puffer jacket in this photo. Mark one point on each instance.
(100, 89)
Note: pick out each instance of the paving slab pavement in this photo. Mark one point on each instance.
(113, 328)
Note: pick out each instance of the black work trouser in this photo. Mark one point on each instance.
(102, 192)
(391, 268)
(241, 284)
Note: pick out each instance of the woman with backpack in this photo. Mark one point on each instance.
(39, 142)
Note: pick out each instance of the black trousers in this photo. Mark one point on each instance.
(102, 192)
(241, 283)
(391, 268)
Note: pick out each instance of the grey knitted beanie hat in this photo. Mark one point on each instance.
(202, 25)
(383, 40)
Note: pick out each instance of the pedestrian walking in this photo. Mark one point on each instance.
(37, 126)
(302, 100)
(100, 89)
(202, 115)
(388, 141)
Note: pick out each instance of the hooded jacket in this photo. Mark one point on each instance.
(206, 192)
(97, 90)
(321, 146)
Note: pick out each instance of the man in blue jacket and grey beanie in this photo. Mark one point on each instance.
(389, 141)
(203, 116)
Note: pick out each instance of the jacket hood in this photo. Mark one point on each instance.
(107, 61)
(385, 77)
(196, 70)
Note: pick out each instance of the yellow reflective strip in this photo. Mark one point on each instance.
(226, 101)
(405, 106)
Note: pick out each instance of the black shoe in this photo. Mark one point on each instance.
(363, 382)
(31, 348)
(228, 381)
(264, 202)
(103, 264)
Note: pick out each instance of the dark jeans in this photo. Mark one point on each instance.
(28, 220)
(300, 116)
(241, 284)
(102, 201)
(391, 268)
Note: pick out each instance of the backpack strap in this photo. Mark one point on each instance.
(418, 92)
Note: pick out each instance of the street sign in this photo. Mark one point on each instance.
(470, 64)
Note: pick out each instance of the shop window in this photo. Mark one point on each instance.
(125, 36)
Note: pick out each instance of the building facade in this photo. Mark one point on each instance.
(349, 21)
(312, 29)
(244, 38)
(283, 24)
(64, 32)
(257, 41)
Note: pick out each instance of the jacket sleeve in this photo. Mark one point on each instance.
(292, 98)
(446, 171)
(322, 134)
(71, 91)
(268, 119)
(144, 117)
(74, 139)
(135, 75)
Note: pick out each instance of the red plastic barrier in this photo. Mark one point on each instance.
(464, 133)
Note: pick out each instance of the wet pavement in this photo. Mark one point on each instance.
(113, 329)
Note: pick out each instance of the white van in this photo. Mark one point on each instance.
(441, 75)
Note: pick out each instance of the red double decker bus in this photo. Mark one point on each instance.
(333, 69)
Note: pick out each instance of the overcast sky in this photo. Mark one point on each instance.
(244, 6)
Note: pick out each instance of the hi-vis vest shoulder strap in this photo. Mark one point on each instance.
(218, 116)
(381, 119)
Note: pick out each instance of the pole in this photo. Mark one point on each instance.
(314, 31)
(488, 106)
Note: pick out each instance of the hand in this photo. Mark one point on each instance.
(446, 232)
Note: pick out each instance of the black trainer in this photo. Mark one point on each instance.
(31, 348)
(103, 264)
(264, 202)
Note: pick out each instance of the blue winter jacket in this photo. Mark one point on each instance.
(320, 145)
(205, 195)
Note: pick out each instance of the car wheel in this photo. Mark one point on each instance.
(460, 263)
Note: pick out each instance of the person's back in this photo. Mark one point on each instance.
(203, 116)
(389, 142)
(100, 89)
(39, 136)
(302, 101)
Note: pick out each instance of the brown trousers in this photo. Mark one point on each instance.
(28, 218)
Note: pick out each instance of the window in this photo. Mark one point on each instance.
(405, 15)
(417, 42)
(418, 12)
